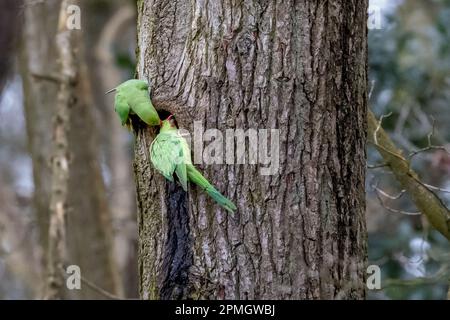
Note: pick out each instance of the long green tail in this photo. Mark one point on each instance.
(196, 177)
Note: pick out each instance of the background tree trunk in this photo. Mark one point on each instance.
(89, 228)
(11, 29)
(299, 66)
(89, 232)
(38, 57)
(122, 197)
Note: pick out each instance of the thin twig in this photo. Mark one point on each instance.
(94, 287)
(380, 122)
(396, 197)
(99, 290)
(430, 145)
(415, 153)
(392, 209)
(429, 186)
(47, 77)
(375, 139)
(376, 166)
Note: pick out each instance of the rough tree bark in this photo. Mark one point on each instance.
(299, 66)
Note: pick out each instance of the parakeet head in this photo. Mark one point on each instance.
(168, 124)
(134, 83)
(131, 84)
(132, 98)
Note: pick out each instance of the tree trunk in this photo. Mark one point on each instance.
(115, 140)
(11, 29)
(296, 66)
(67, 78)
(89, 232)
(38, 58)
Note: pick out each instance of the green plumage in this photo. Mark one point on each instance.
(132, 97)
(121, 107)
(170, 154)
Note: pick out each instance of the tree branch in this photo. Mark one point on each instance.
(423, 197)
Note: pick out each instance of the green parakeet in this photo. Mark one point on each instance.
(170, 153)
(132, 97)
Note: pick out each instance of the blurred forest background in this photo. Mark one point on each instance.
(410, 80)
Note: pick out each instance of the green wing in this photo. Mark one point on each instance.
(184, 158)
(167, 155)
(121, 107)
(182, 175)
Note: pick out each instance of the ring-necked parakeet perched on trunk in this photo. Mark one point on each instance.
(170, 153)
(132, 97)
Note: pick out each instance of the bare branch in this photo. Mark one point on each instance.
(385, 194)
(380, 122)
(429, 186)
(423, 197)
(375, 138)
(99, 290)
(428, 148)
(47, 77)
(93, 286)
(430, 145)
(377, 166)
(392, 209)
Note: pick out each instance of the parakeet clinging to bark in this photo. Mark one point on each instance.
(170, 153)
(132, 97)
